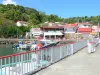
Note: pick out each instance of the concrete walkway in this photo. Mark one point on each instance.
(80, 63)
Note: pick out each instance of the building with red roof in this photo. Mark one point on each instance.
(70, 28)
(84, 30)
(52, 31)
(36, 32)
(74, 25)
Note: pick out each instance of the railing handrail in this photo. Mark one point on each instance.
(35, 60)
(16, 54)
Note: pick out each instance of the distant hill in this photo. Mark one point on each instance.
(33, 17)
(16, 13)
(20, 13)
(10, 14)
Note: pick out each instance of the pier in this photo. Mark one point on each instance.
(63, 59)
(80, 63)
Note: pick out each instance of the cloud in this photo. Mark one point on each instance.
(5, 2)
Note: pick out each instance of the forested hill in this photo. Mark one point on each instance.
(10, 14)
(19, 13)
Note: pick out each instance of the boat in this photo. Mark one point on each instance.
(21, 46)
(32, 45)
(45, 43)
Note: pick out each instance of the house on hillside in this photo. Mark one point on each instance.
(21, 23)
(70, 28)
(85, 25)
(36, 32)
(95, 29)
(52, 32)
(84, 28)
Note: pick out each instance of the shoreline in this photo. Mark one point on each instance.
(14, 40)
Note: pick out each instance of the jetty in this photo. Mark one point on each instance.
(66, 59)
(80, 63)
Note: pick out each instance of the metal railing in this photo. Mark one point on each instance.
(32, 61)
(96, 41)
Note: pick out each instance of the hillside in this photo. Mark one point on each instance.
(20, 13)
(34, 17)
(10, 14)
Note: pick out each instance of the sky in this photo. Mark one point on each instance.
(63, 8)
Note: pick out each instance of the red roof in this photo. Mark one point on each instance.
(84, 29)
(71, 25)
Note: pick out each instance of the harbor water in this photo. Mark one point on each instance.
(6, 49)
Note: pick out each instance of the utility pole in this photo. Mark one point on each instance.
(78, 22)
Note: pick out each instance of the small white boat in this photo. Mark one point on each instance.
(44, 42)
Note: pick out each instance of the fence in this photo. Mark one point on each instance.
(96, 41)
(79, 45)
(31, 61)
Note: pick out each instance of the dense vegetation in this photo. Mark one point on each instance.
(10, 14)
(92, 19)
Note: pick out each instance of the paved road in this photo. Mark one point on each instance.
(80, 63)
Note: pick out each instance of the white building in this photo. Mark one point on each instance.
(21, 23)
(52, 32)
(70, 28)
(36, 32)
(84, 25)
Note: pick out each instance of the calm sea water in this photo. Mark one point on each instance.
(6, 49)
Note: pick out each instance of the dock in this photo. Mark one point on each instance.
(80, 63)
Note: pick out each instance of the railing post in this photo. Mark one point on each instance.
(16, 62)
(38, 57)
(19, 58)
(22, 57)
(61, 52)
(99, 40)
(9, 64)
(1, 66)
(72, 50)
(30, 62)
(5, 64)
(27, 63)
(51, 55)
